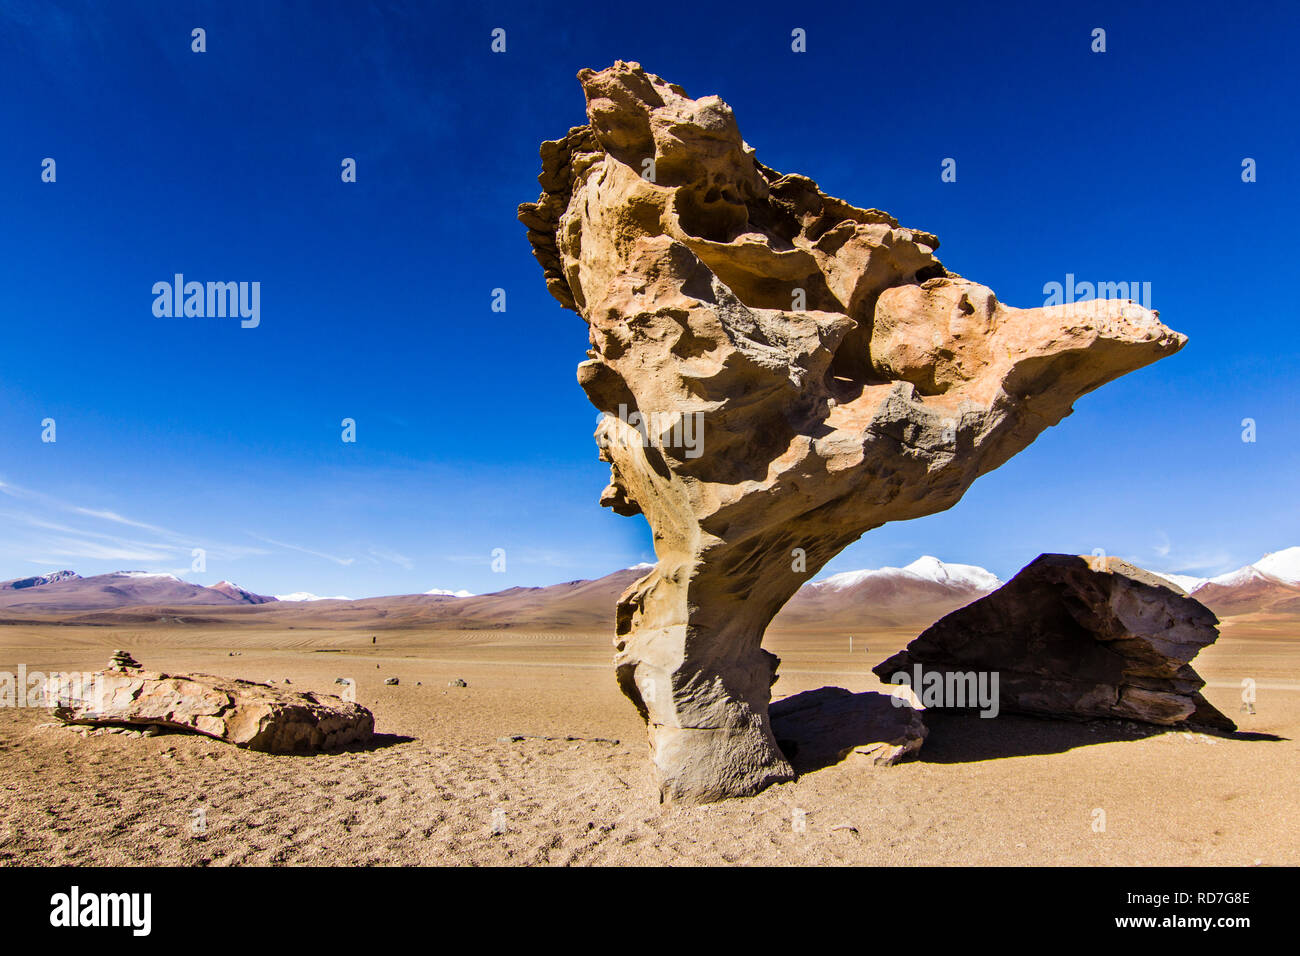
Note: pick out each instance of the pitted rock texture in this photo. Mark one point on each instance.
(240, 712)
(1079, 637)
(781, 372)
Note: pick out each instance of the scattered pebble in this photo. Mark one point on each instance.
(515, 738)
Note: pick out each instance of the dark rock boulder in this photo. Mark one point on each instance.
(1077, 636)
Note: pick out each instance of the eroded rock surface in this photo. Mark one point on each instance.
(781, 371)
(1079, 637)
(247, 714)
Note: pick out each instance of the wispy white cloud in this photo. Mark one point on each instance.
(73, 548)
(118, 519)
(345, 562)
(70, 540)
(392, 557)
(1164, 547)
(46, 525)
(1199, 562)
(535, 557)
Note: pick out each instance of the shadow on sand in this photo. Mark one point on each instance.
(376, 742)
(967, 737)
(818, 728)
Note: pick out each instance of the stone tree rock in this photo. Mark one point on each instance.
(780, 372)
(1079, 637)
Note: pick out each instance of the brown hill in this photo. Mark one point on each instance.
(1257, 594)
(912, 596)
(103, 591)
(242, 595)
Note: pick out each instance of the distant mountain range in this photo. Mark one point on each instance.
(308, 596)
(917, 594)
(911, 596)
(69, 591)
(1271, 584)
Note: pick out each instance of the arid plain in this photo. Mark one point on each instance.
(440, 781)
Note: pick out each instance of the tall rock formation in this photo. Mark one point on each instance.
(780, 372)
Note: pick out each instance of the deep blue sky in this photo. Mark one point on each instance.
(472, 431)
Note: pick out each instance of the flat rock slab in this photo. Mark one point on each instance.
(1073, 636)
(244, 713)
(822, 727)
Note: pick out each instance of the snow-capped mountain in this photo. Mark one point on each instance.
(912, 596)
(1241, 576)
(68, 591)
(1283, 565)
(1271, 583)
(920, 593)
(1184, 581)
(19, 584)
(924, 568)
(242, 595)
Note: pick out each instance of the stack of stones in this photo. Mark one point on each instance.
(121, 660)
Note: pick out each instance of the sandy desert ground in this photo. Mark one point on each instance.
(1007, 791)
